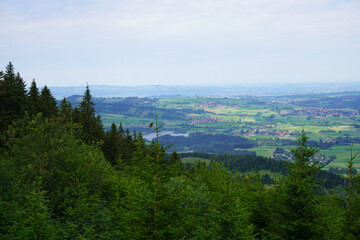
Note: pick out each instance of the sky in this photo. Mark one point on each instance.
(181, 42)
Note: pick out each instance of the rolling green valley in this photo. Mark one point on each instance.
(259, 124)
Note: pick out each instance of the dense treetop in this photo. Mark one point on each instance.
(63, 177)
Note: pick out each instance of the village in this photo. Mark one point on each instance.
(209, 120)
(265, 131)
(320, 113)
(281, 154)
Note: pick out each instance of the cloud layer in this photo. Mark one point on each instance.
(182, 42)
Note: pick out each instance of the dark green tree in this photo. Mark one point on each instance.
(47, 103)
(20, 93)
(111, 145)
(76, 114)
(175, 164)
(352, 229)
(257, 198)
(33, 99)
(121, 131)
(91, 124)
(298, 199)
(65, 109)
(12, 97)
(174, 158)
(3, 121)
(74, 178)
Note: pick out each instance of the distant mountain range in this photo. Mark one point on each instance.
(239, 90)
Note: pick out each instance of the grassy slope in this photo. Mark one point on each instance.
(235, 114)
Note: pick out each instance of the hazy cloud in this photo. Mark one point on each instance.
(186, 34)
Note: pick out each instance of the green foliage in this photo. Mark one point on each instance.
(353, 199)
(33, 106)
(227, 215)
(24, 211)
(65, 109)
(111, 145)
(66, 180)
(259, 202)
(47, 103)
(297, 198)
(12, 97)
(91, 124)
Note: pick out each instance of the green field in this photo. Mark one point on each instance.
(255, 119)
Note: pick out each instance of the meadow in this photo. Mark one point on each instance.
(269, 121)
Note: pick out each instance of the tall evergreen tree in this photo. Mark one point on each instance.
(299, 200)
(48, 105)
(76, 114)
(20, 93)
(175, 163)
(65, 108)
(353, 199)
(33, 99)
(3, 115)
(12, 97)
(121, 131)
(92, 126)
(111, 145)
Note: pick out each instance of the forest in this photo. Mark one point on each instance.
(62, 176)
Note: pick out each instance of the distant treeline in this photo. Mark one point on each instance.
(136, 107)
(248, 163)
(209, 143)
(332, 102)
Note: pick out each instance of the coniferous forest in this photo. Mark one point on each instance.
(62, 176)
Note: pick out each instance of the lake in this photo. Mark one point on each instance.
(151, 136)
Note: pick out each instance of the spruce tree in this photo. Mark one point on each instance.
(33, 99)
(76, 115)
(121, 131)
(48, 105)
(91, 124)
(12, 97)
(111, 145)
(352, 228)
(65, 109)
(298, 200)
(3, 115)
(175, 164)
(20, 93)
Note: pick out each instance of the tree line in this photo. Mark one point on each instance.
(63, 177)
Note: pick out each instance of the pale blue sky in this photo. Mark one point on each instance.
(187, 42)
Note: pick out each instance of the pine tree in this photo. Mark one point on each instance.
(48, 104)
(20, 93)
(3, 114)
(65, 109)
(92, 126)
(76, 115)
(111, 145)
(33, 99)
(353, 199)
(12, 97)
(121, 131)
(299, 200)
(175, 164)
(174, 158)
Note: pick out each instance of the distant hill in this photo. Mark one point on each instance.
(177, 91)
